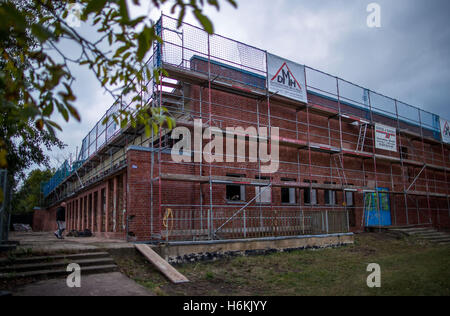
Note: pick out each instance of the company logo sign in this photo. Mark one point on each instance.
(445, 130)
(385, 137)
(286, 78)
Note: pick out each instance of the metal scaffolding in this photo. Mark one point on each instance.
(182, 57)
(199, 66)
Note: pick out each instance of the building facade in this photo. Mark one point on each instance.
(349, 158)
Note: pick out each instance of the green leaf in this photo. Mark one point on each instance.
(204, 21)
(73, 112)
(123, 10)
(124, 123)
(120, 50)
(233, 3)
(148, 131)
(144, 46)
(48, 110)
(53, 124)
(64, 113)
(181, 16)
(41, 33)
(169, 121)
(156, 76)
(94, 6)
(12, 13)
(155, 128)
(40, 124)
(214, 3)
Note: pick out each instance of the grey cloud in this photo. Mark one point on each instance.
(407, 58)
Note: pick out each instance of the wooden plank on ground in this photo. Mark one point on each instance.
(162, 265)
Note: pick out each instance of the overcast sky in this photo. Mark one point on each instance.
(407, 58)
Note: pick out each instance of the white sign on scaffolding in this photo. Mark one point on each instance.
(286, 78)
(445, 131)
(385, 137)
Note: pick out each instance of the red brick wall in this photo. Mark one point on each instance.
(224, 115)
(44, 220)
(231, 110)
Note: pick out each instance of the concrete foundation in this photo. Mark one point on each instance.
(177, 253)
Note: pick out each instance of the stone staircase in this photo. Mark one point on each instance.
(428, 234)
(52, 266)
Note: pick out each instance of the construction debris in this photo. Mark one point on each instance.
(162, 265)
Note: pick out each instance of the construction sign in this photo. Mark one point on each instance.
(445, 131)
(385, 137)
(286, 78)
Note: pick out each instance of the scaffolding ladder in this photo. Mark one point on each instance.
(339, 162)
(361, 137)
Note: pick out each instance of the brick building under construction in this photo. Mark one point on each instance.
(350, 158)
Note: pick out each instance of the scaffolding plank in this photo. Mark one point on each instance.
(354, 153)
(352, 119)
(292, 142)
(324, 148)
(422, 193)
(436, 167)
(184, 177)
(199, 78)
(214, 179)
(322, 110)
(256, 182)
(162, 265)
(417, 136)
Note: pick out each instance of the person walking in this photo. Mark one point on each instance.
(61, 220)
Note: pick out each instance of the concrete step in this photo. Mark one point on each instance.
(423, 232)
(6, 248)
(435, 234)
(44, 259)
(58, 272)
(55, 265)
(412, 230)
(420, 233)
(412, 226)
(437, 239)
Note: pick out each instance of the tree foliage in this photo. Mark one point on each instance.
(35, 75)
(29, 195)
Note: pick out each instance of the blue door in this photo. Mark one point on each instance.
(374, 216)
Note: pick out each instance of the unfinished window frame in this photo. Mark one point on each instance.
(242, 191)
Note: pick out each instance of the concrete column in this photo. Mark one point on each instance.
(73, 214)
(89, 212)
(93, 211)
(99, 210)
(69, 220)
(124, 197)
(115, 195)
(78, 214)
(107, 207)
(69, 216)
(83, 212)
(86, 211)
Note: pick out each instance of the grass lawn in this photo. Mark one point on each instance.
(408, 267)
